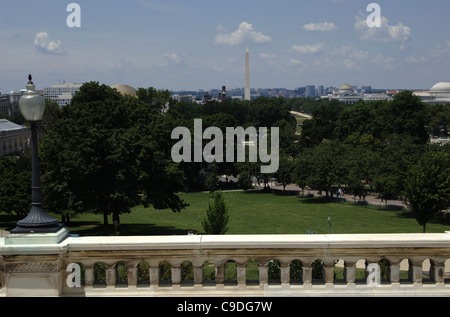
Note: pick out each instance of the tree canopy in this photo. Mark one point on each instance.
(107, 155)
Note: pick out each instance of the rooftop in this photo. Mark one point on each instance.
(6, 125)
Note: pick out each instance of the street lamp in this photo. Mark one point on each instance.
(32, 107)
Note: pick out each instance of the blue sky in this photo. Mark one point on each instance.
(200, 44)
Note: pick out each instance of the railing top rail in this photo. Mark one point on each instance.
(200, 242)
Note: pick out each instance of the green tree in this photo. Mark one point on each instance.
(245, 181)
(15, 184)
(217, 216)
(427, 186)
(107, 154)
(285, 173)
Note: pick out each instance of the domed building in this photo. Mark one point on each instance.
(126, 90)
(438, 94)
(346, 89)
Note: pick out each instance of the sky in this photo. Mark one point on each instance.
(200, 44)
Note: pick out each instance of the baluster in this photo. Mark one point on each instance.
(220, 272)
(132, 273)
(437, 270)
(263, 270)
(89, 276)
(350, 272)
(285, 271)
(393, 271)
(241, 272)
(111, 276)
(155, 274)
(176, 273)
(328, 272)
(415, 271)
(307, 271)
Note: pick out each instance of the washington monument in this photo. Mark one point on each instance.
(247, 75)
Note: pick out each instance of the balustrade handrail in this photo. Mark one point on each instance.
(52, 259)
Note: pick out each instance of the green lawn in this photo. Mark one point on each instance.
(254, 213)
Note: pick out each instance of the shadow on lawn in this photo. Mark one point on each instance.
(126, 229)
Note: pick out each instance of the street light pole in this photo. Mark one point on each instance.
(32, 107)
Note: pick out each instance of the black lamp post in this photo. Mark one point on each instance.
(32, 107)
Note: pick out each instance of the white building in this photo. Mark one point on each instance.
(61, 93)
(349, 95)
(13, 137)
(438, 94)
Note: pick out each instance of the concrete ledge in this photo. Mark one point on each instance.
(37, 238)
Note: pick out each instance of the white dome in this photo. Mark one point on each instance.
(346, 87)
(125, 90)
(441, 87)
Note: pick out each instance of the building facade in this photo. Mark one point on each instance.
(62, 93)
(14, 138)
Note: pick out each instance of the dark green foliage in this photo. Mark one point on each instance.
(427, 186)
(217, 216)
(15, 184)
(107, 154)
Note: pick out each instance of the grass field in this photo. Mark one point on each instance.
(254, 213)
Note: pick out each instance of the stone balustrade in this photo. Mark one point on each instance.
(326, 265)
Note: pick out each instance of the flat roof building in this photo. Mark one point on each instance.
(61, 93)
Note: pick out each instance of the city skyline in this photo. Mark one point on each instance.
(191, 45)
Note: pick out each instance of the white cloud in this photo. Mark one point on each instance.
(295, 61)
(245, 33)
(45, 45)
(385, 33)
(350, 52)
(324, 26)
(385, 61)
(173, 58)
(308, 49)
(268, 57)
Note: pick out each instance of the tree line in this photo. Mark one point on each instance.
(106, 153)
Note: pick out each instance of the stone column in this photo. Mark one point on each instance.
(155, 274)
(263, 271)
(415, 271)
(285, 271)
(350, 272)
(132, 273)
(89, 277)
(111, 275)
(393, 271)
(328, 272)
(220, 273)
(307, 273)
(176, 274)
(241, 272)
(437, 270)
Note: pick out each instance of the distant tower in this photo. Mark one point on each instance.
(247, 75)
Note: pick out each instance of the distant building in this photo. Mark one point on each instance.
(14, 97)
(13, 137)
(62, 93)
(126, 90)
(5, 105)
(310, 91)
(438, 94)
(349, 95)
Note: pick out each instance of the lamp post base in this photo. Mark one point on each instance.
(21, 238)
(37, 221)
(52, 229)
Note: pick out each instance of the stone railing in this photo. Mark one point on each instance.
(412, 265)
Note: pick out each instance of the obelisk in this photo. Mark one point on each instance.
(247, 75)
